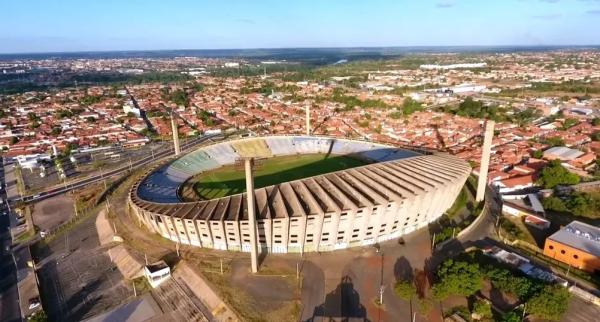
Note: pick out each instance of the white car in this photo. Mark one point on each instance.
(34, 302)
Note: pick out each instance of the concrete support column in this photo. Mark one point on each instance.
(251, 214)
(307, 119)
(485, 159)
(175, 135)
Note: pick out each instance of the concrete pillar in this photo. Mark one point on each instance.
(307, 119)
(251, 214)
(485, 159)
(175, 135)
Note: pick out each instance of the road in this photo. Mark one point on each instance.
(99, 177)
(9, 296)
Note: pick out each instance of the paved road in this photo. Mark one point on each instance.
(85, 181)
(9, 296)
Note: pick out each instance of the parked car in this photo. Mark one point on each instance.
(34, 302)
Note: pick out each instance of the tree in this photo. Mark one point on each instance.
(554, 141)
(457, 278)
(506, 281)
(569, 123)
(512, 316)
(410, 106)
(39, 316)
(538, 154)
(405, 290)
(483, 310)
(596, 121)
(395, 115)
(550, 304)
(595, 136)
(554, 203)
(555, 174)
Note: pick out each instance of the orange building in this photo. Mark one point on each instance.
(577, 244)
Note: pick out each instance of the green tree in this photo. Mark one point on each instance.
(483, 309)
(512, 316)
(405, 290)
(39, 316)
(555, 174)
(457, 278)
(569, 123)
(554, 141)
(538, 154)
(554, 203)
(596, 121)
(550, 304)
(410, 106)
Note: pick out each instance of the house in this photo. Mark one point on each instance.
(577, 244)
(514, 183)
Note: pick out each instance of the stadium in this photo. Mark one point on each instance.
(311, 193)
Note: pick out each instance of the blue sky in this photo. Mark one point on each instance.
(90, 25)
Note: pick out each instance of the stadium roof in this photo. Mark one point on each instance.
(579, 235)
(345, 190)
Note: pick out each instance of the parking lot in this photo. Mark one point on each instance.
(88, 163)
(48, 214)
(77, 277)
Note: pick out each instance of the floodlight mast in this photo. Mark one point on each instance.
(251, 213)
(307, 109)
(485, 159)
(175, 135)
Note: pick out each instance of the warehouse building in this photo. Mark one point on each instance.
(577, 244)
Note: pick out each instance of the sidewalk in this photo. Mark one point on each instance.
(26, 281)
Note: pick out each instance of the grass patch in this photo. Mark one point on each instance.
(230, 180)
(514, 229)
(459, 204)
(29, 234)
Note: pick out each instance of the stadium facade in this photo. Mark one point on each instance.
(399, 192)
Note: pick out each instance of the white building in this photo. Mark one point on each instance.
(157, 272)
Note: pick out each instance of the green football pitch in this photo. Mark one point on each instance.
(229, 180)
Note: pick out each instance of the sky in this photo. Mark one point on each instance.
(100, 25)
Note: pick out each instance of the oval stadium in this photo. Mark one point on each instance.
(311, 193)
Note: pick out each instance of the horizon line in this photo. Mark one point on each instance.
(308, 47)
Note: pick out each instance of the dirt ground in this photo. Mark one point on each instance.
(50, 213)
